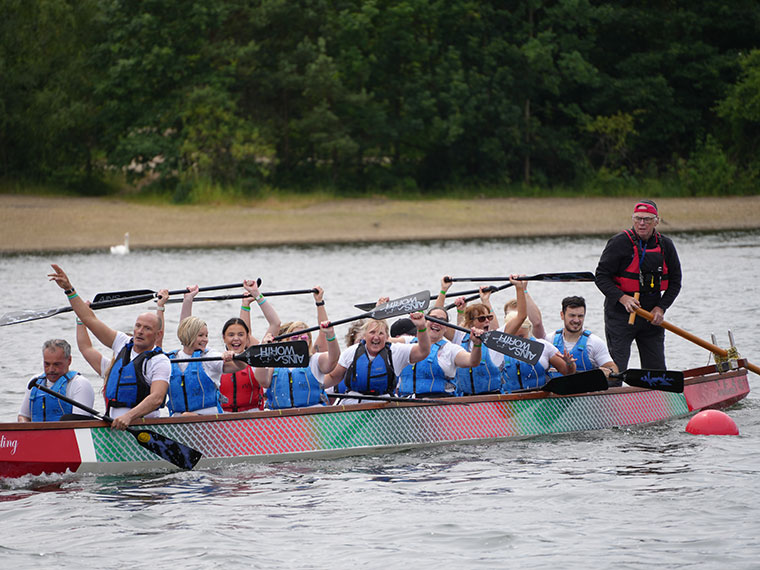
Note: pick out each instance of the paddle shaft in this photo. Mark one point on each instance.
(492, 289)
(569, 276)
(695, 339)
(244, 295)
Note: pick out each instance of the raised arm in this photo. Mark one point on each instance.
(187, 302)
(485, 298)
(522, 310)
(102, 332)
(163, 297)
(89, 352)
(267, 309)
(440, 301)
(421, 348)
(534, 314)
(320, 345)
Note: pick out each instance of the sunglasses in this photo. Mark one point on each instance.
(300, 337)
(643, 220)
(484, 318)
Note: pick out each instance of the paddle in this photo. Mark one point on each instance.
(121, 294)
(663, 380)
(517, 347)
(429, 401)
(579, 383)
(243, 295)
(177, 453)
(369, 306)
(493, 289)
(16, 317)
(568, 276)
(294, 354)
(695, 339)
(401, 306)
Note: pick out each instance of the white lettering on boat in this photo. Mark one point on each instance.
(9, 443)
(284, 355)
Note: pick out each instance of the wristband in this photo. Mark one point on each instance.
(261, 296)
(460, 311)
(443, 292)
(79, 322)
(320, 303)
(72, 296)
(162, 309)
(259, 303)
(332, 338)
(68, 291)
(245, 308)
(477, 345)
(421, 330)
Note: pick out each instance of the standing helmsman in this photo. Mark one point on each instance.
(639, 268)
(39, 406)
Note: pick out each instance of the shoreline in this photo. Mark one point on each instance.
(30, 224)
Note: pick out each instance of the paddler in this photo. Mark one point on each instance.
(137, 382)
(39, 406)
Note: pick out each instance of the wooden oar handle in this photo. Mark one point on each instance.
(695, 339)
(632, 317)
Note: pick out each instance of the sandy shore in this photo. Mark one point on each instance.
(33, 223)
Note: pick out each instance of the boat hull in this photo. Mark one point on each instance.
(93, 447)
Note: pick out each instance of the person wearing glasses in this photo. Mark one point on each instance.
(303, 387)
(639, 268)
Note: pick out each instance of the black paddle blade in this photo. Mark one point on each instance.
(403, 306)
(580, 383)
(140, 294)
(293, 354)
(663, 380)
(523, 349)
(180, 455)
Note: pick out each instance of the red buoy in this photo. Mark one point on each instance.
(712, 422)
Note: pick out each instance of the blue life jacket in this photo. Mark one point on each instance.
(46, 407)
(365, 377)
(517, 375)
(126, 385)
(295, 388)
(483, 379)
(424, 377)
(579, 352)
(192, 389)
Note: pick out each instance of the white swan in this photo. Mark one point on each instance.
(121, 249)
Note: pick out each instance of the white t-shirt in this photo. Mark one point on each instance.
(214, 369)
(400, 357)
(78, 388)
(446, 356)
(156, 368)
(596, 348)
(549, 351)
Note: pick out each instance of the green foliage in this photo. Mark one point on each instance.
(199, 98)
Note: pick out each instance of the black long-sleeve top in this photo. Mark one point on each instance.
(618, 254)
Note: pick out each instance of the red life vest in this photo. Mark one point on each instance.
(242, 391)
(644, 279)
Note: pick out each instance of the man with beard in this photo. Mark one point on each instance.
(588, 349)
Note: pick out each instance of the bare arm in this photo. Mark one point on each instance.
(152, 401)
(421, 348)
(522, 310)
(440, 300)
(89, 352)
(102, 332)
(334, 377)
(471, 359)
(534, 314)
(187, 302)
(267, 309)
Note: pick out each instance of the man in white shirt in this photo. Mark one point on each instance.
(588, 349)
(39, 406)
(138, 381)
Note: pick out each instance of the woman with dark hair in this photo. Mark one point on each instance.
(239, 390)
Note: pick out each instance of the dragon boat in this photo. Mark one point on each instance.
(91, 446)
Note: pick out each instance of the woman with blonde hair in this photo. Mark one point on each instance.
(303, 386)
(194, 386)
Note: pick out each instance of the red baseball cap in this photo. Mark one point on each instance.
(645, 207)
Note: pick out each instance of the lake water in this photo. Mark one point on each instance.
(629, 498)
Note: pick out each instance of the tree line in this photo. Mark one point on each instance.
(374, 94)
